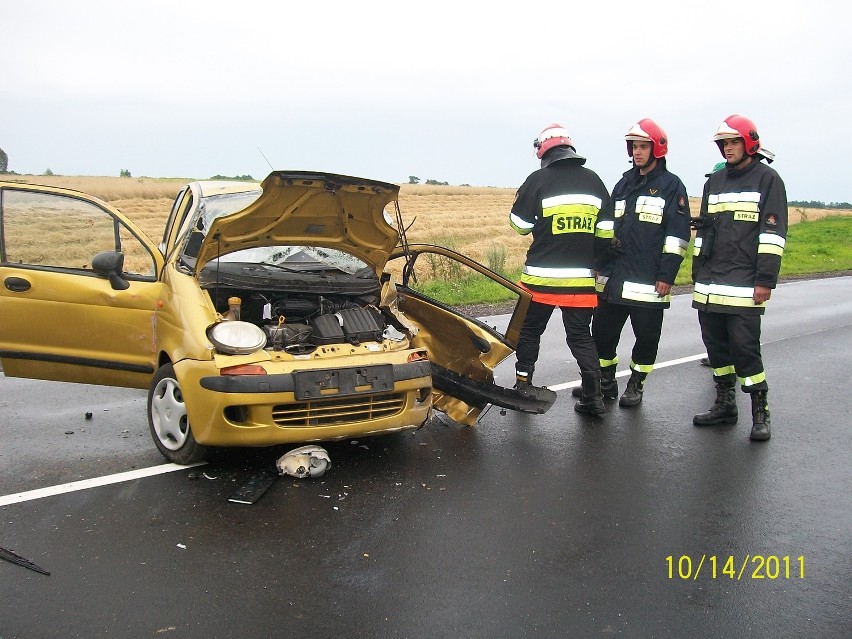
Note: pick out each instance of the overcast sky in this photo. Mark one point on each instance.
(451, 91)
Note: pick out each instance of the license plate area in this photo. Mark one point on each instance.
(343, 381)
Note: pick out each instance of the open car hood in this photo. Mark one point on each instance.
(311, 209)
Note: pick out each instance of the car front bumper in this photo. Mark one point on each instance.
(312, 403)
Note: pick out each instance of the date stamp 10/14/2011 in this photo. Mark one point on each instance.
(688, 567)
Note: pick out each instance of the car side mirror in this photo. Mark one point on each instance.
(110, 264)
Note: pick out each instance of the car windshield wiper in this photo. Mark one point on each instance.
(260, 266)
(314, 266)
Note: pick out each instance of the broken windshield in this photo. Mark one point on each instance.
(299, 258)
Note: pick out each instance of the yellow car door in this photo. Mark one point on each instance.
(80, 289)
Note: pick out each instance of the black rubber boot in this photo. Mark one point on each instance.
(609, 385)
(523, 379)
(723, 410)
(633, 393)
(591, 401)
(759, 417)
(523, 382)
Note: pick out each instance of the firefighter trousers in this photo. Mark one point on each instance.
(733, 346)
(576, 321)
(647, 324)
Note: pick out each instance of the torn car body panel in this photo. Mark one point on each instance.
(465, 351)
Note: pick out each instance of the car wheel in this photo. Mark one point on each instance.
(168, 421)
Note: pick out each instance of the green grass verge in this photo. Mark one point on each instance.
(472, 289)
(821, 246)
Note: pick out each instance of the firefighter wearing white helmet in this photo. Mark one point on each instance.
(650, 237)
(740, 239)
(567, 210)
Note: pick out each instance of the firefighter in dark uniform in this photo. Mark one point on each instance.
(651, 235)
(568, 211)
(741, 234)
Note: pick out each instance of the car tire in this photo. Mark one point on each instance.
(168, 421)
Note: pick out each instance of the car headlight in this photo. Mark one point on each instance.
(236, 338)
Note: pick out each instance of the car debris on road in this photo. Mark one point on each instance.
(15, 558)
(307, 461)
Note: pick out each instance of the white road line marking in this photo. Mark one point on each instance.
(84, 484)
(626, 373)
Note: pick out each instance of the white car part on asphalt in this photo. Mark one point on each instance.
(307, 461)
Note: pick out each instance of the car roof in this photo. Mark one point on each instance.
(224, 187)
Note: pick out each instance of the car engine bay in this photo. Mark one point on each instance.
(296, 322)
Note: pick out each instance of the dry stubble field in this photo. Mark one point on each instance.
(472, 220)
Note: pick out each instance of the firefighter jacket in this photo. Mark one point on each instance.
(742, 230)
(568, 210)
(651, 236)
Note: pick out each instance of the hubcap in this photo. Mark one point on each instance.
(168, 414)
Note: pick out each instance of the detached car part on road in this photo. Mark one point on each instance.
(267, 314)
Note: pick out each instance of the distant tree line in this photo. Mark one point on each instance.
(237, 178)
(413, 179)
(813, 204)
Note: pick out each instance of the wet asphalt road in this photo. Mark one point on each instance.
(524, 526)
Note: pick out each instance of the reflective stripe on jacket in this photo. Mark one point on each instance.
(651, 234)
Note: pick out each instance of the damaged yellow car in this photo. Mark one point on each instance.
(266, 314)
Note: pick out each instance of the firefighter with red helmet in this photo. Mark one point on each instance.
(567, 210)
(740, 239)
(650, 237)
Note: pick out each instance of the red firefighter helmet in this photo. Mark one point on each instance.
(738, 126)
(646, 130)
(553, 135)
